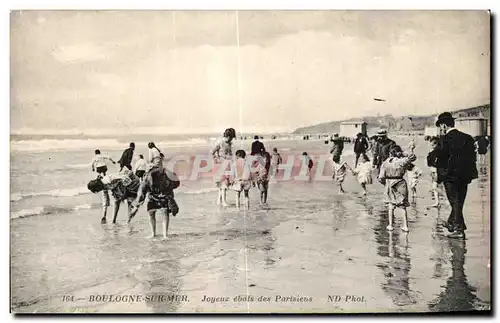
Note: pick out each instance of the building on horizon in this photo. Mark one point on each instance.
(349, 129)
(474, 126)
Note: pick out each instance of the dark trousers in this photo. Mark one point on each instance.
(456, 193)
(357, 157)
(128, 166)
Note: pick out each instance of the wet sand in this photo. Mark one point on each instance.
(309, 250)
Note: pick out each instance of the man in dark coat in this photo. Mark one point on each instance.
(360, 147)
(257, 147)
(338, 147)
(126, 158)
(384, 146)
(458, 150)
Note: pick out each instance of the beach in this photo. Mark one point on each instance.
(309, 250)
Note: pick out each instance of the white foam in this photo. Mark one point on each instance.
(64, 144)
(16, 197)
(56, 193)
(27, 212)
(83, 207)
(92, 144)
(200, 191)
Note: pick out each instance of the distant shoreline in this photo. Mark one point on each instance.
(395, 125)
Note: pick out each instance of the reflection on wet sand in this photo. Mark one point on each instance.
(160, 278)
(396, 264)
(265, 244)
(483, 184)
(340, 214)
(458, 295)
(439, 249)
(268, 247)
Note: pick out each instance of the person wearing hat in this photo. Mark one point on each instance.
(338, 147)
(257, 147)
(361, 145)
(458, 150)
(383, 148)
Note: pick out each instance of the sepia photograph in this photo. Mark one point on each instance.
(250, 161)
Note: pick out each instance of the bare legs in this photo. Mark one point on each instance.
(263, 197)
(413, 193)
(363, 185)
(104, 211)
(105, 204)
(116, 209)
(390, 227)
(246, 202)
(435, 193)
(405, 221)
(152, 222)
(222, 198)
(391, 217)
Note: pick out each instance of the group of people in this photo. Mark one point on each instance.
(240, 175)
(133, 184)
(99, 163)
(452, 161)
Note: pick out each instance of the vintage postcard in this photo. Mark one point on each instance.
(250, 161)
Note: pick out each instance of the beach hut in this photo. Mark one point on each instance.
(349, 129)
(474, 126)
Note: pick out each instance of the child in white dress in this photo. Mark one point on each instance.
(307, 160)
(413, 175)
(223, 154)
(364, 173)
(396, 189)
(339, 172)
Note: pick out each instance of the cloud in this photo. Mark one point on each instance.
(80, 53)
(296, 68)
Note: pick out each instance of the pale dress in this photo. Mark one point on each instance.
(364, 173)
(242, 178)
(223, 155)
(339, 171)
(396, 188)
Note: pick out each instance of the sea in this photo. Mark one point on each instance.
(49, 173)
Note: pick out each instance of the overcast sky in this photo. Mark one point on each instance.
(135, 69)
